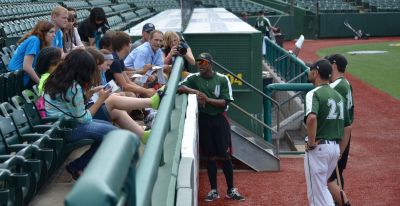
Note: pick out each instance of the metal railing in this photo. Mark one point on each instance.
(285, 64)
(259, 92)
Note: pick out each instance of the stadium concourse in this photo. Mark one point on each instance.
(374, 163)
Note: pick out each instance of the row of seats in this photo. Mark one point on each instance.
(31, 148)
(382, 5)
(5, 55)
(100, 3)
(13, 1)
(325, 6)
(11, 12)
(238, 6)
(77, 4)
(157, 5)
(17, 28)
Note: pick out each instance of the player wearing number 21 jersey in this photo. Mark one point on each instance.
(325, 119)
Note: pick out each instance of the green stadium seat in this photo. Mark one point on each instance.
(10, 85)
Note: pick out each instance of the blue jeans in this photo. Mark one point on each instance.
(94, 130)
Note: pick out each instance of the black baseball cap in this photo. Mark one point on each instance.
(205, 56)
(148, 27)
(323, 66)
(339, 60)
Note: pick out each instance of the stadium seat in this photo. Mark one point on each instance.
(10, 85)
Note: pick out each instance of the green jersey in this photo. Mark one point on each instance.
(328, 105)
(344, 88)
(262, 24)
(216, 87)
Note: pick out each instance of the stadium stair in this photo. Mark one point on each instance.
(253, 150)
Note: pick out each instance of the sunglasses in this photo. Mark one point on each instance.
(202, 62)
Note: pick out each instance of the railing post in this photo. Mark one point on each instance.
(267, 115)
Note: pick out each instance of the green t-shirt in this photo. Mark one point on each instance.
(42, 80)
(344, 88)
(217, 87)
(328, 105)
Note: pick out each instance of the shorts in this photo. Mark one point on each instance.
(341, 164)
(215, 135)
(102, 113)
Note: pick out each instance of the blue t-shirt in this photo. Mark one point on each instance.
(30, 46)
(58, 41)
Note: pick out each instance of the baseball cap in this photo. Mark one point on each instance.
(323, 66)
(204, 56)
(338, 59)
(149, 27)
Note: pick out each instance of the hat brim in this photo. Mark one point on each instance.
(201, 59)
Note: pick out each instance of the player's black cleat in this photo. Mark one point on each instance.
(211, 196)
(234, 195)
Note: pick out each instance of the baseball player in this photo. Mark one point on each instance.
(214, 93)
(325, 118)
(341, 85)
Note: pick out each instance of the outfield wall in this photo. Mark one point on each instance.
(376, 24)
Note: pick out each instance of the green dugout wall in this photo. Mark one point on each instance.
(236, 46)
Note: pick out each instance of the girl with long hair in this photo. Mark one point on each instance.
(71, 37)
(64, 94)
(116, 107)
(29, 46)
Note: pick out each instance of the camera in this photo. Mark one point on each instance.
(182, 49)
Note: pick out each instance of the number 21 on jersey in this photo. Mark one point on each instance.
(333, 107)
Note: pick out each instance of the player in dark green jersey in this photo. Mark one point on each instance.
(341, 85)
(325, 118)
(214, 93)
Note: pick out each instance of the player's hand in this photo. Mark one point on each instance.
(311, 145)
(201, 98)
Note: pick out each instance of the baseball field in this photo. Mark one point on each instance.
(378, 64)
(372, 174)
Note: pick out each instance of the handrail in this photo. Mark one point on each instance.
(266, 136)
(286, 65)
(246, 83)
(108, 178)
(249, 115)
(146, 175)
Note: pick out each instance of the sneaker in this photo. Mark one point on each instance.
(157, 97)
(234, 195)
(211, 196)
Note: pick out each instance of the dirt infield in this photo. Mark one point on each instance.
(373, 173)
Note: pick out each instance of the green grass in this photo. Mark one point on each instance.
(380, 70)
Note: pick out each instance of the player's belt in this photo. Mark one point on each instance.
(323, 141)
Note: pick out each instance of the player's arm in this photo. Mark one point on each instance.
(311, 123)
(216, 102)
(187, 90)
(346, 138)
(346, 133)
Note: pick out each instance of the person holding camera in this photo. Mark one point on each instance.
(173, 47)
